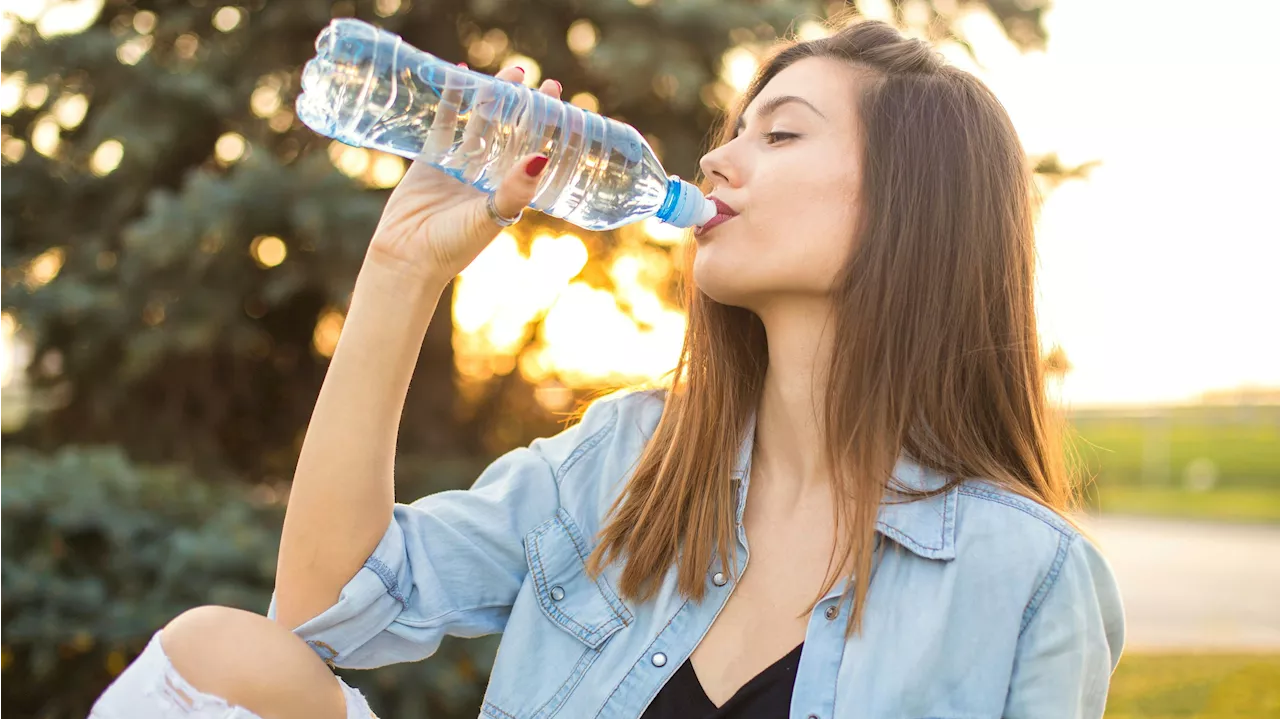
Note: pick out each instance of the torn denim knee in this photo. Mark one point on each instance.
(152, 688)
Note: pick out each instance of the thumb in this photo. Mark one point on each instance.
(520, 185)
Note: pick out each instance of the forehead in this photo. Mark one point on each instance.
(828, 84)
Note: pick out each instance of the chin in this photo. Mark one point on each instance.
(728, 285)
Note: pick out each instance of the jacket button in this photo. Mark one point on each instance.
(557, 593)
(659, 659)
(719, 579)
(832, 612)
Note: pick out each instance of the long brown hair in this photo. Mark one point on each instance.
(937, 355)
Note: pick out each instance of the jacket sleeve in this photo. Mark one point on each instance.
(451, 562)
(1072, 636)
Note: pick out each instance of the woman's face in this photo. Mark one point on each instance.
(796, 191)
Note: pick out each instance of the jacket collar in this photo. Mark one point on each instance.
(926, 527)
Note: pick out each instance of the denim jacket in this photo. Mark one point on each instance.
(989, 606)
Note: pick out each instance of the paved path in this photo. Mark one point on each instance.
(1195, 585)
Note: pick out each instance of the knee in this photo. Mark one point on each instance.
(252, 662)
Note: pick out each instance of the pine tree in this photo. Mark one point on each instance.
(171, 248)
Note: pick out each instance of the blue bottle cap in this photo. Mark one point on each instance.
(685, 206)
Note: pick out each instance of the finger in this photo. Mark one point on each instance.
(473, 152)
(440, 135)
(520, 185)
(515, 74)
(552, 88)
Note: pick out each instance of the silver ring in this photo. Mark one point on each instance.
(492, 208)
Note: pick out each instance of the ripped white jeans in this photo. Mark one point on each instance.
(152, 688)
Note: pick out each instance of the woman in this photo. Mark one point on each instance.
(862, 354)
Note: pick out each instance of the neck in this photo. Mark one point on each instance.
(790, 455)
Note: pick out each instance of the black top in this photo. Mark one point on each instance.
(766, 696)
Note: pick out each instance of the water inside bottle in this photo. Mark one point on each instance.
(369, 88)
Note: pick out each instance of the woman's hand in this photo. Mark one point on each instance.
(434, 225)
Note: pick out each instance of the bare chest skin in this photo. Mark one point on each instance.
(765, 616)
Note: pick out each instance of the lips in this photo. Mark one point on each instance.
(724, 213)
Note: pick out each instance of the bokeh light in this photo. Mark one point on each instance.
(46, 136)
(13, 149)
(187, 45)
(133, 50)
(12, 89)
(36, 95)
(230, 147)
(70, 110)
(144, 22)
(582, 37)
(227, 18)
(328, 328)
(386, 171)
(265, 99)
(586, 101)
(387, 8)
(44, 267)
(106, 158)
(268, 250)
(67, 17)
(738, 67)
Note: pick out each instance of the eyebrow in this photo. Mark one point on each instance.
(773, 103)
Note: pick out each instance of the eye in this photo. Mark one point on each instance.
(773, 138)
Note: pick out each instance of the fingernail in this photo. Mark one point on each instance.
(521, 69)
(559, 87)
(463, 65)
(536, 166)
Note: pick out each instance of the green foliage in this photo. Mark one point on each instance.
(99, 553)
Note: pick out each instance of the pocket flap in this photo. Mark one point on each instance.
(586, 608)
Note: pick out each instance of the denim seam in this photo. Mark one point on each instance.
(491, 710)
(557, 700)
(388, 577)
(948, 521)
(1025, 506)
(1050, 581)
(645, 653)
(590, 636)
(580, 545)
(586, 446)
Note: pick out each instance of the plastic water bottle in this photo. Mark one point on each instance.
(369, 88)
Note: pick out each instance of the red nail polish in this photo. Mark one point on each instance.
(463, 65)
(536, 165)
(521, 69)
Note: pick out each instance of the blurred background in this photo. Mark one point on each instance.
(179, 251)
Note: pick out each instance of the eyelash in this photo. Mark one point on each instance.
(782, 135)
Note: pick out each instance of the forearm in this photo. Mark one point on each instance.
(343, 489)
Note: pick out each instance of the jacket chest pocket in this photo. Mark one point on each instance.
(586, 608)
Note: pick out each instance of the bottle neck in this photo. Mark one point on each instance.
(671, 202)
(684, 205)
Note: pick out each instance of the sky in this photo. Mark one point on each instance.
(1157, 273)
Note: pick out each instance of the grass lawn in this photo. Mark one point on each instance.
(1216, 463)
(1203, 686)
(1226, 505)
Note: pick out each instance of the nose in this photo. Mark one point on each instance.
(717, 167)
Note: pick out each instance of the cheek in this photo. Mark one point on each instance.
(794, 239)
(807, 233)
